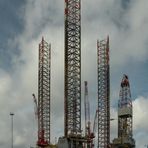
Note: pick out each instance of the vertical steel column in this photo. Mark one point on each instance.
(103, 94)
(44, 93)
(125, 110)
(87, 110)
(72, 67)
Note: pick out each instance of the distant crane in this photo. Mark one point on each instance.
(35, 106)
(41, 140)
(94, 128)
(87, 110)
(88, 132)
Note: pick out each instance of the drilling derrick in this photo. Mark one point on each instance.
(44, 94)
(125, 133)
(72, 68)
(103, 94)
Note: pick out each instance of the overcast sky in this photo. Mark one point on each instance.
(22, 25)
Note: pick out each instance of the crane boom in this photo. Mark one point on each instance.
(94, 127)
(88, 132)
(95, 122)
(87, 110)
(35, 106)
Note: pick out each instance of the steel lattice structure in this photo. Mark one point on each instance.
(44, 94)
(103, 93)
(125, 110)
(72, 67)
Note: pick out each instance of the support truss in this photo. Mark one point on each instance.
(103, 94)
(72, 67)
(44, 94)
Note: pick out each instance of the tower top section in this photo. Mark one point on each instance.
(125, 93)
(125, 81)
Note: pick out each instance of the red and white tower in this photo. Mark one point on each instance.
(43, 108)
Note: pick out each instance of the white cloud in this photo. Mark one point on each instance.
(19, 140)
(140, 114)
(140, 122)
(5, 81)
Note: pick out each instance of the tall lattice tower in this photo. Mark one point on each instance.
(125, 132)
(103, 93)
(44, 94)
(72, 67)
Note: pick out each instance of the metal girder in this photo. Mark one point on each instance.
(103, 94)
(72, 67)
(44, 93)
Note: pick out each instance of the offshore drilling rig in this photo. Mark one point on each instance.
(73, 137)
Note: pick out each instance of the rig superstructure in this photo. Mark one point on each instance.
(73, 134)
